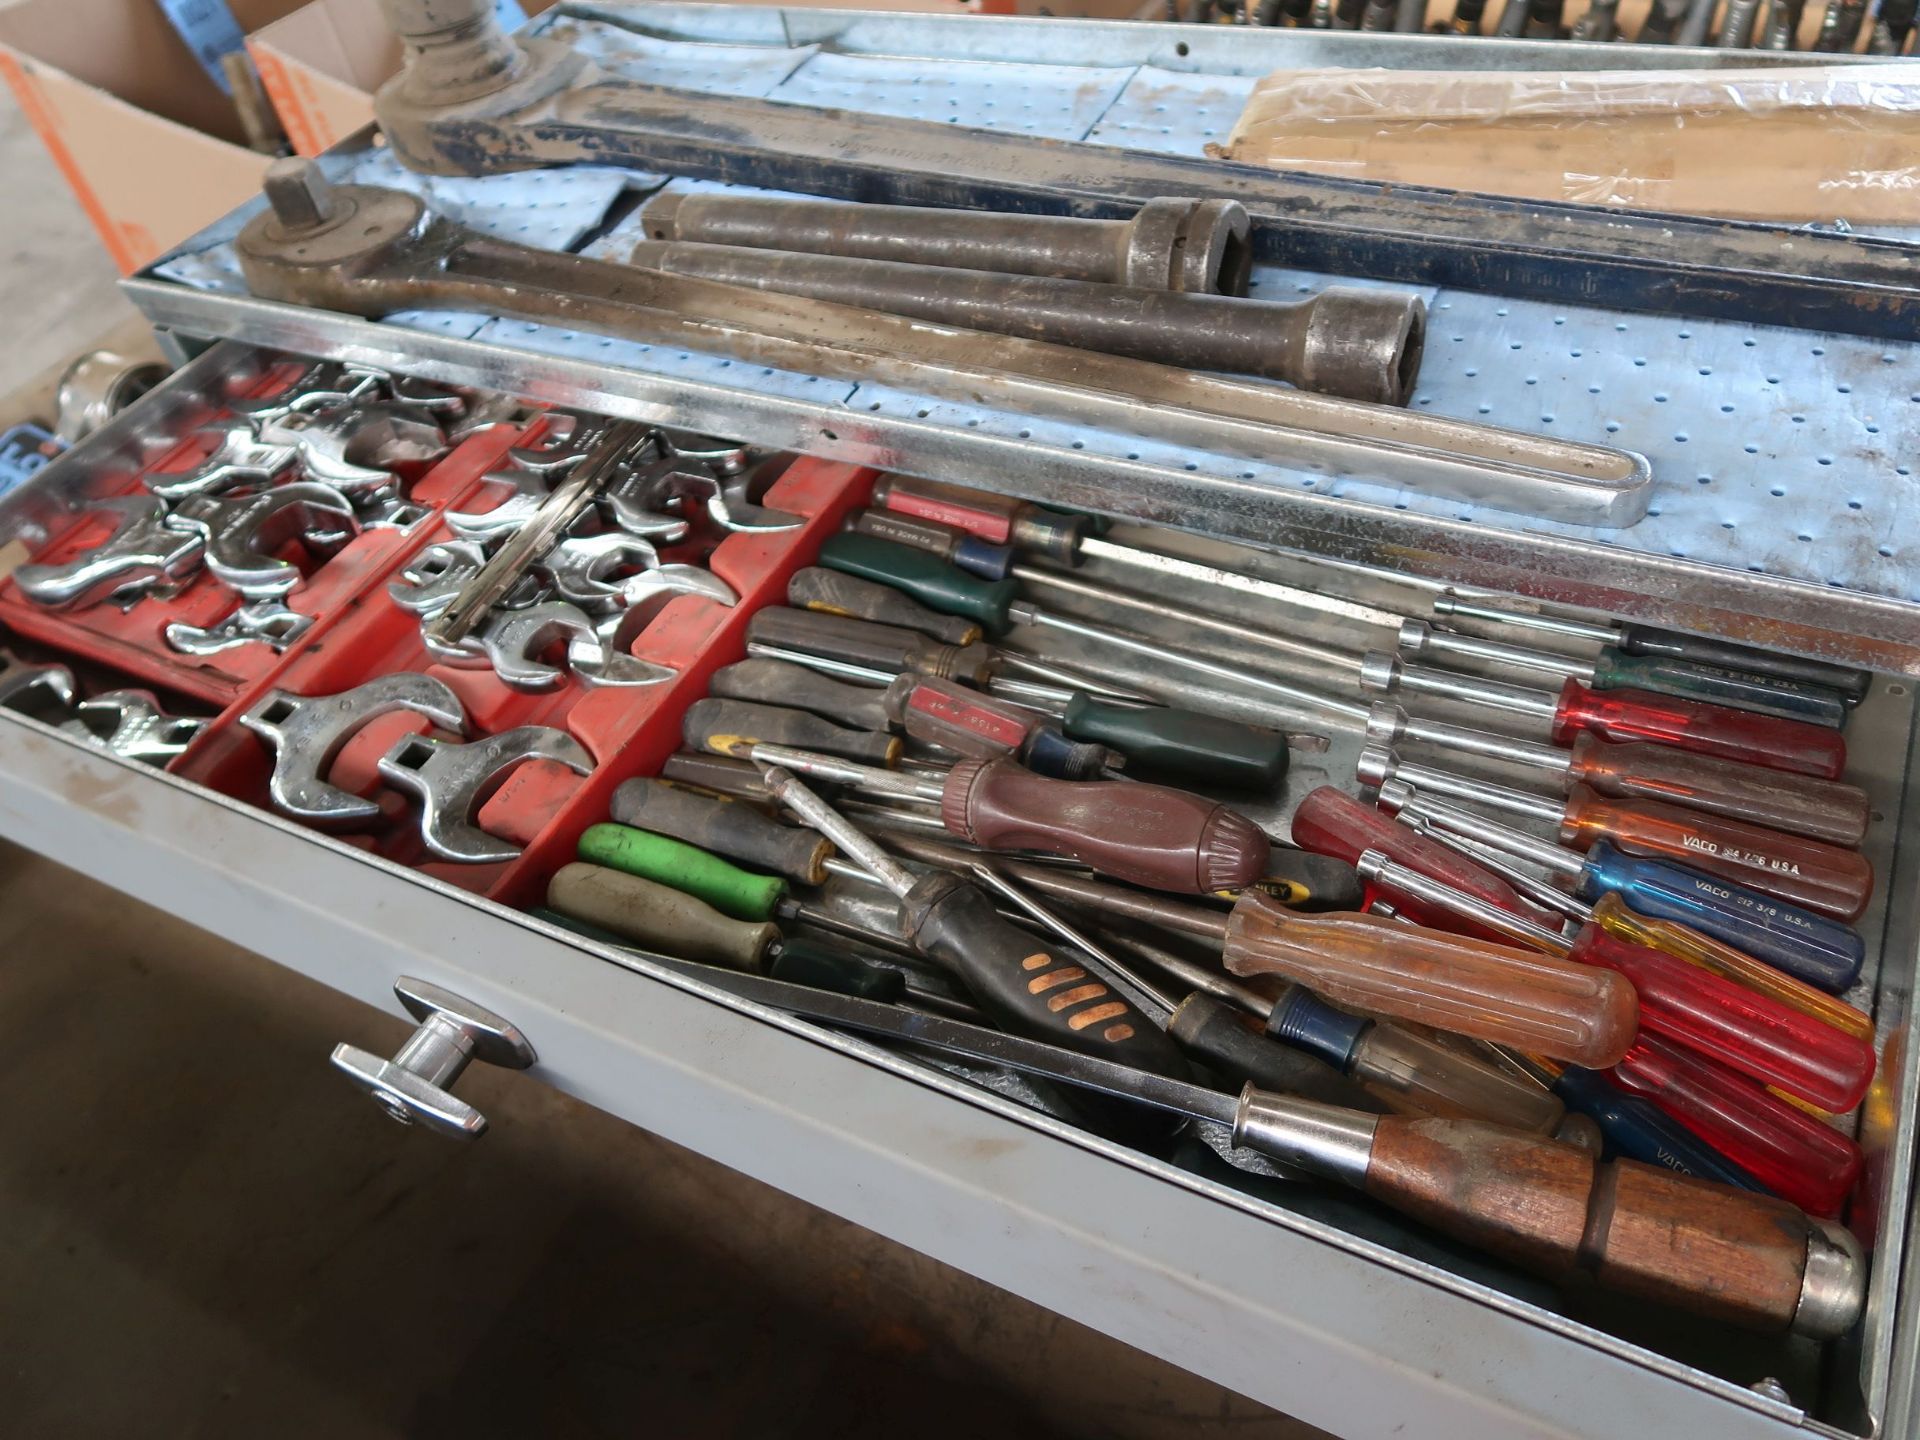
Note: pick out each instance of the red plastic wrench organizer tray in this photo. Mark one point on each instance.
(629, 731)
(133, 641)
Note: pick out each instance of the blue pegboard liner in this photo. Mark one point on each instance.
(1777, 451)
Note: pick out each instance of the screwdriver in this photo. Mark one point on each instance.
(1798, 804)
(1820, 877)
(958, 548)
(734, 727)
(1069, 538)
(938, 712)
(1744, 1031)
(1638, 1129)
(833, 592)
(1021, 986)
(1328, 821)
(1616, 714)
(1655, 674)
(1409, 1072)
(1788, 1151)
(1682, 942)
(1159, 741)
(1646, 640)
(1148, 834)
(634, 910)
(1812, 948)
(724, 825)
(1737, 1257)
(1623, 715)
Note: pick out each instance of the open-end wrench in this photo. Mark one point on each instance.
(584, 569)
(367, 250)
(254, 622)
(322, 438)
(242, 533)
(321, 386)
(306, 733)
(131, 724)
(452, 781)
(144, 552)
(241, 459)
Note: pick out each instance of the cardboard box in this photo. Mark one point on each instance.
(150, 145)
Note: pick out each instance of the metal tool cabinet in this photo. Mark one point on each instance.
(1272, 1299)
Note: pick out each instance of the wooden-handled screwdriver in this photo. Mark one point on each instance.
(1732, 1255)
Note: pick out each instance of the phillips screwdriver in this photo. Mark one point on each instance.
(632, 910)
(1012, 977)
(1160, 742)
(958, 548)
(1646, 640)
(1682, 942)
(1811, 947)
(1623, 715)
(1788, 1151)
(1823, 878)
(1147, 834)
(1655, 674)
(1616, 714)
(1639, 1129)
(1410, 1073)
(1070, 538)
(1744, 1031)
(938, 712)
(1799, 804)
(1734, 1256)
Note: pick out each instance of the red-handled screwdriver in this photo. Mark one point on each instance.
(1821, 877)
(1623, 715)
(1743, 1030)
(1798, 804)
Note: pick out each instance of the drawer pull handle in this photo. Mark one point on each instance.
(415, 1086)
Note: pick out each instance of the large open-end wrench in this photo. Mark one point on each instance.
(306, 733)
(367, 250)
(144, 552)
(243, 533)
(452, 781)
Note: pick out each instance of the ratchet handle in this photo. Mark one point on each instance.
(1717, 685)
(1764, 740)
(1798, 804)
(1149, 835)
(1820, 877)
(1533, 1002)
(1851, 684)
(1023, 985)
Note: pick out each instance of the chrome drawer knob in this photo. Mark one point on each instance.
(415, 1086)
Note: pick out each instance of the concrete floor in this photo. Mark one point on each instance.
(205, 1232)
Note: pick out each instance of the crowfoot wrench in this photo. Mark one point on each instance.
(242, 533)
(429, 581)
(322, 386)
(254, 622)
(322, 438)
(143, 553)
(241, 459)
(131, 724)
(452, 781)
(306, 734)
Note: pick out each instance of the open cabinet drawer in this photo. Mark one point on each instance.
(1316, 1304)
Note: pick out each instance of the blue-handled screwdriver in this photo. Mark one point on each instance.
(1809, 947)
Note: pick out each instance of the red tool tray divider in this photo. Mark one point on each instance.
(629, 731)
(133, 642)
